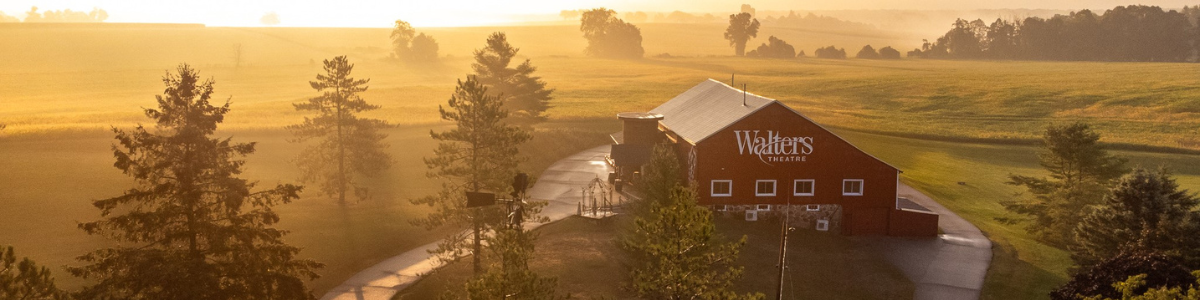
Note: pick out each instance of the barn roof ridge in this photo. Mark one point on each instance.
(704, 110)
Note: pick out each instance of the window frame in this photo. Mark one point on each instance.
(812, 185)
(760, 207)
(861, 187)
(812, 207)
(712, 188)
(774, 188)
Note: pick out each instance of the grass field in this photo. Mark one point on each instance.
(1022, 267)
(59, 100)
(583, 255)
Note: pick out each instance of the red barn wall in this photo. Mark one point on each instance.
(831, 160)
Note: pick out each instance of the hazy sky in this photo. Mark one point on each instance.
(380, 13)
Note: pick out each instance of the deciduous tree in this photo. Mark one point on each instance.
(774, 48)
(867, 52)
(830, 52)
(742, 27)
(423, 49)
(190, 228)
(524, 94)
(402, 35)
(26, 280)
(1080, 170)
(889, 53)
(346, 144)
(609, 36)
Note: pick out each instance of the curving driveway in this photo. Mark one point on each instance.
(952, 266)
(560, 185)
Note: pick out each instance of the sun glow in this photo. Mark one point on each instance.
(463, 13)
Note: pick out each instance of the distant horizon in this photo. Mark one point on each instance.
(230, 13)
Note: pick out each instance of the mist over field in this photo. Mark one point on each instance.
(954, 109)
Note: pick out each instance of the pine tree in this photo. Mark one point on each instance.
(525, 95)
(479, 154)
(191, 229)
(1146, 211)
(26, 280)
(346, 144)
(508, 275)
(1080, 170)
(678, 255)
(662, 174)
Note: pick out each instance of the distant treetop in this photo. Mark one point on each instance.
(65, 16)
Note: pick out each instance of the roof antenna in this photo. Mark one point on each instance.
(743, 94)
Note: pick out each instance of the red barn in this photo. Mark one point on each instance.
(755, 156)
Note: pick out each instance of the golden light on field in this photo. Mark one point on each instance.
(463, 13)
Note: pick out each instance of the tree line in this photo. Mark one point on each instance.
(1124, 33)
(96, 15)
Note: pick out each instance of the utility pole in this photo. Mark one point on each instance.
(783, 248)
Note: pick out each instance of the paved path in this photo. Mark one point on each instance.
(559, 185)
(951, 266)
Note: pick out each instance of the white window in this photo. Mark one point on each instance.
(803, 187)
(813, 207)
(764, 188)
(852, 187)
(722, 188)
(763, 207)
(722, 207)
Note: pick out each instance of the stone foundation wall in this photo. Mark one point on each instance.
(801, 217)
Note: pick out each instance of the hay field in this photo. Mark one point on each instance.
(61, 89)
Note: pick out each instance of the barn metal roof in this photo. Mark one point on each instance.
(711, 106)
(707, 108)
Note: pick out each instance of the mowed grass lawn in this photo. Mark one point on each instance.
(59, 100)
(584, 256)
(1022, 267)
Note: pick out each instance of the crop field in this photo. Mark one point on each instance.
(942, 122)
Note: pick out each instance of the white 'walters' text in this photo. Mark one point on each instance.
(749, 142)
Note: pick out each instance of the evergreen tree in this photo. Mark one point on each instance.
(26, 280)
(1145, 211)
(525, 95)
(346, 144)
(508, 275)
(663, 174)
(479, 154)
(677, 254)
(191, 229)
(742, 27)
(1080, 170)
